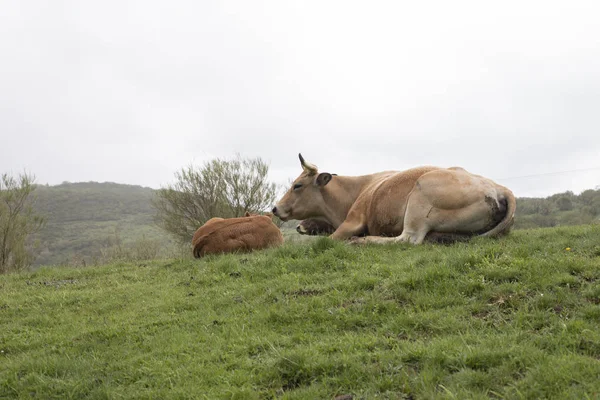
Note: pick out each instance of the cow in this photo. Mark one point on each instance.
(243, 234)
(314, 227)
(401, 206)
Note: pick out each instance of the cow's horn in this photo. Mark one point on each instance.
(311, 168)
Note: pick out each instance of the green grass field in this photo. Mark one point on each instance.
(517, 317)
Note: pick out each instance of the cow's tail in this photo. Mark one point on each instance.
(505, 223)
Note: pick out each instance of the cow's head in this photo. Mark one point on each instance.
(304, 199)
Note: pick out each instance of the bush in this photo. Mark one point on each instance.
(220, 188)
(17, 222)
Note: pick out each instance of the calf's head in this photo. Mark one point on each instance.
(314, 227)
(304, 199)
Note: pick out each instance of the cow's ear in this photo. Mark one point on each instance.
(323, 178)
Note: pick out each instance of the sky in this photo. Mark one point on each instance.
(132, 91)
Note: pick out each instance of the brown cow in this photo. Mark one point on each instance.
(314, 227)
(248, 233)
(406, 205)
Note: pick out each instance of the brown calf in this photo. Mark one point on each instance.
(243, 234)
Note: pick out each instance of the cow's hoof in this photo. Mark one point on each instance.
(355, 240)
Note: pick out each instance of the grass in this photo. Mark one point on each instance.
(513, 318)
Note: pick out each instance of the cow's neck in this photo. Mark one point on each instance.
(340, 194)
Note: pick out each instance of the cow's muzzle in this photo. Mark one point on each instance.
(282, 215)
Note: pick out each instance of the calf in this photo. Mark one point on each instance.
(314, 227)
(243, 234)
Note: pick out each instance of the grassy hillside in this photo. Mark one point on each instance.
(560, 209)
(517, 317)
(86, 218)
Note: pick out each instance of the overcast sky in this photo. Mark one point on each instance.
(131, 91)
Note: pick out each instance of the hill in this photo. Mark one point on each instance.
(561, 209)
(87, 220)
(516, 317)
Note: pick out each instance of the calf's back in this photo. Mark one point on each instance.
(236, 235)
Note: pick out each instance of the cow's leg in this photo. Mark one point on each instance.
(416, 219)
(460, 212)
(373, 239)
(413, 236)
(348, 229)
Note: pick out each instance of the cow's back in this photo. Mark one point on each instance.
(236, 234)
(385, 201)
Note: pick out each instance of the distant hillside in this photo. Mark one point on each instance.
(86, 218)
(558, 210)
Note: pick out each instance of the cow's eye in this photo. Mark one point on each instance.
(297, 186)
